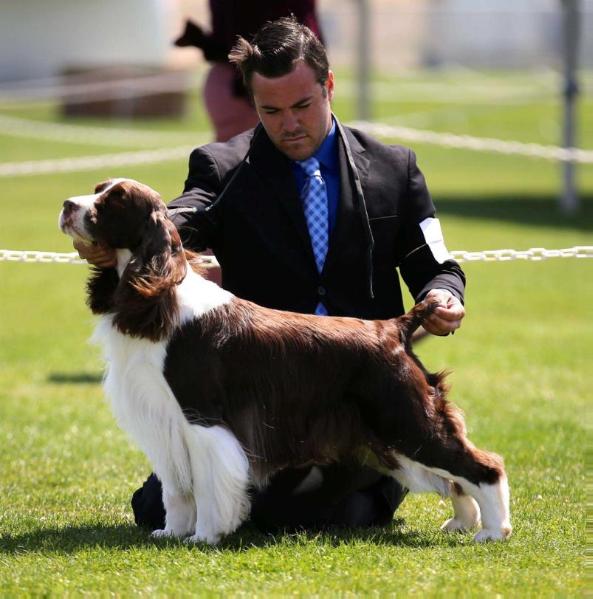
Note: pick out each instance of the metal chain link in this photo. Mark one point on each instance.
(33, 256)
(504, 255)
(534, 254)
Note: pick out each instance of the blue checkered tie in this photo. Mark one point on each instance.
(314, 196)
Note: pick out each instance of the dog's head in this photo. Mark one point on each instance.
(130, 217)
(121, 214)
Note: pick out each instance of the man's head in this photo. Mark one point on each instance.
(285, 68)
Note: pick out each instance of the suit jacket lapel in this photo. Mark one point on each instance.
(347, 222)
(275, 171)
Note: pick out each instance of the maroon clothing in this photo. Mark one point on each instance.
(225, 96)
(231, 18)
(241, 17)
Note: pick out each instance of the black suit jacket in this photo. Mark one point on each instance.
(257, 229)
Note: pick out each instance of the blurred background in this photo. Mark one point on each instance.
(41, 39)
(509, 71)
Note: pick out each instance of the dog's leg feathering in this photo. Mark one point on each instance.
(220, 471)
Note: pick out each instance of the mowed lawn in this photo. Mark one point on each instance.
(520, 370)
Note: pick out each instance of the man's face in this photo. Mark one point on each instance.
(294, 109)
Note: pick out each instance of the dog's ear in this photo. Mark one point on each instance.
(145, 302)
(158, 263)
(103, 185)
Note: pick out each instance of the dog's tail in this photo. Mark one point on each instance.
(409, 322)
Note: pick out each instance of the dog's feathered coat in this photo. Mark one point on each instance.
(221, 393)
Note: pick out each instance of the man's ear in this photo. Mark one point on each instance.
(329, 85)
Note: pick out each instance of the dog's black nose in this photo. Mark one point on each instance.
(70, 207)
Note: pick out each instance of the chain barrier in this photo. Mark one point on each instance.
(533, 254)
(504, 255)
(34, 256)
(86, 163)
(83, 134)
(108, 89)
(478, 144)
(69, 133)
(491, 89)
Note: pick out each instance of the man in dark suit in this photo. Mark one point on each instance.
(257, 203)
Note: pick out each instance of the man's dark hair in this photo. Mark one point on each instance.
(275, 49)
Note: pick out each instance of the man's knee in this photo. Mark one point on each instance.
(147, 504)
(330, 505)
(370, 506)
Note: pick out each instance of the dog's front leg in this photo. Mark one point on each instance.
(180, 515)
(220, 474)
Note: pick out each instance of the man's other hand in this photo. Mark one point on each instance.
(449, 314)
(95, 254)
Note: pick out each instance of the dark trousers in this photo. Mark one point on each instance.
(347, 496)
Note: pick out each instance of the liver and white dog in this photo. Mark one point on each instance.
(221, 393)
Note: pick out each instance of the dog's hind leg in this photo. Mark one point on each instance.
(490, 500)
(466, 511)
(435, 440)
(493, 500)
(478, 473)
(220, 471)
(418, 479)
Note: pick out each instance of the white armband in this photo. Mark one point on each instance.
(431, 229)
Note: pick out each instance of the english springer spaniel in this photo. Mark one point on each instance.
(221, 393)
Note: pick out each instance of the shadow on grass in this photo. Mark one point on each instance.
(75, 378)
(539, 211)
(72, 539)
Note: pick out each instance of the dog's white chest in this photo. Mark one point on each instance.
(134, 379)
(142, 401)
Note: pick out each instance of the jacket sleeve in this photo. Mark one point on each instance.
(423, 259)
(192, 212)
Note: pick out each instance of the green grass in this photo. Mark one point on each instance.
(520, 368)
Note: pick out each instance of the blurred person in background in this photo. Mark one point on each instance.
(227, 101)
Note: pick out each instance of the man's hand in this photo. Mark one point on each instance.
(95, 254)
(447, 317)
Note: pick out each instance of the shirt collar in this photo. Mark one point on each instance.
(327, 151)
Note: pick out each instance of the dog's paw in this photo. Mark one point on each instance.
(489, 534)
(162, 534)
(209, 539)
(455, 525)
